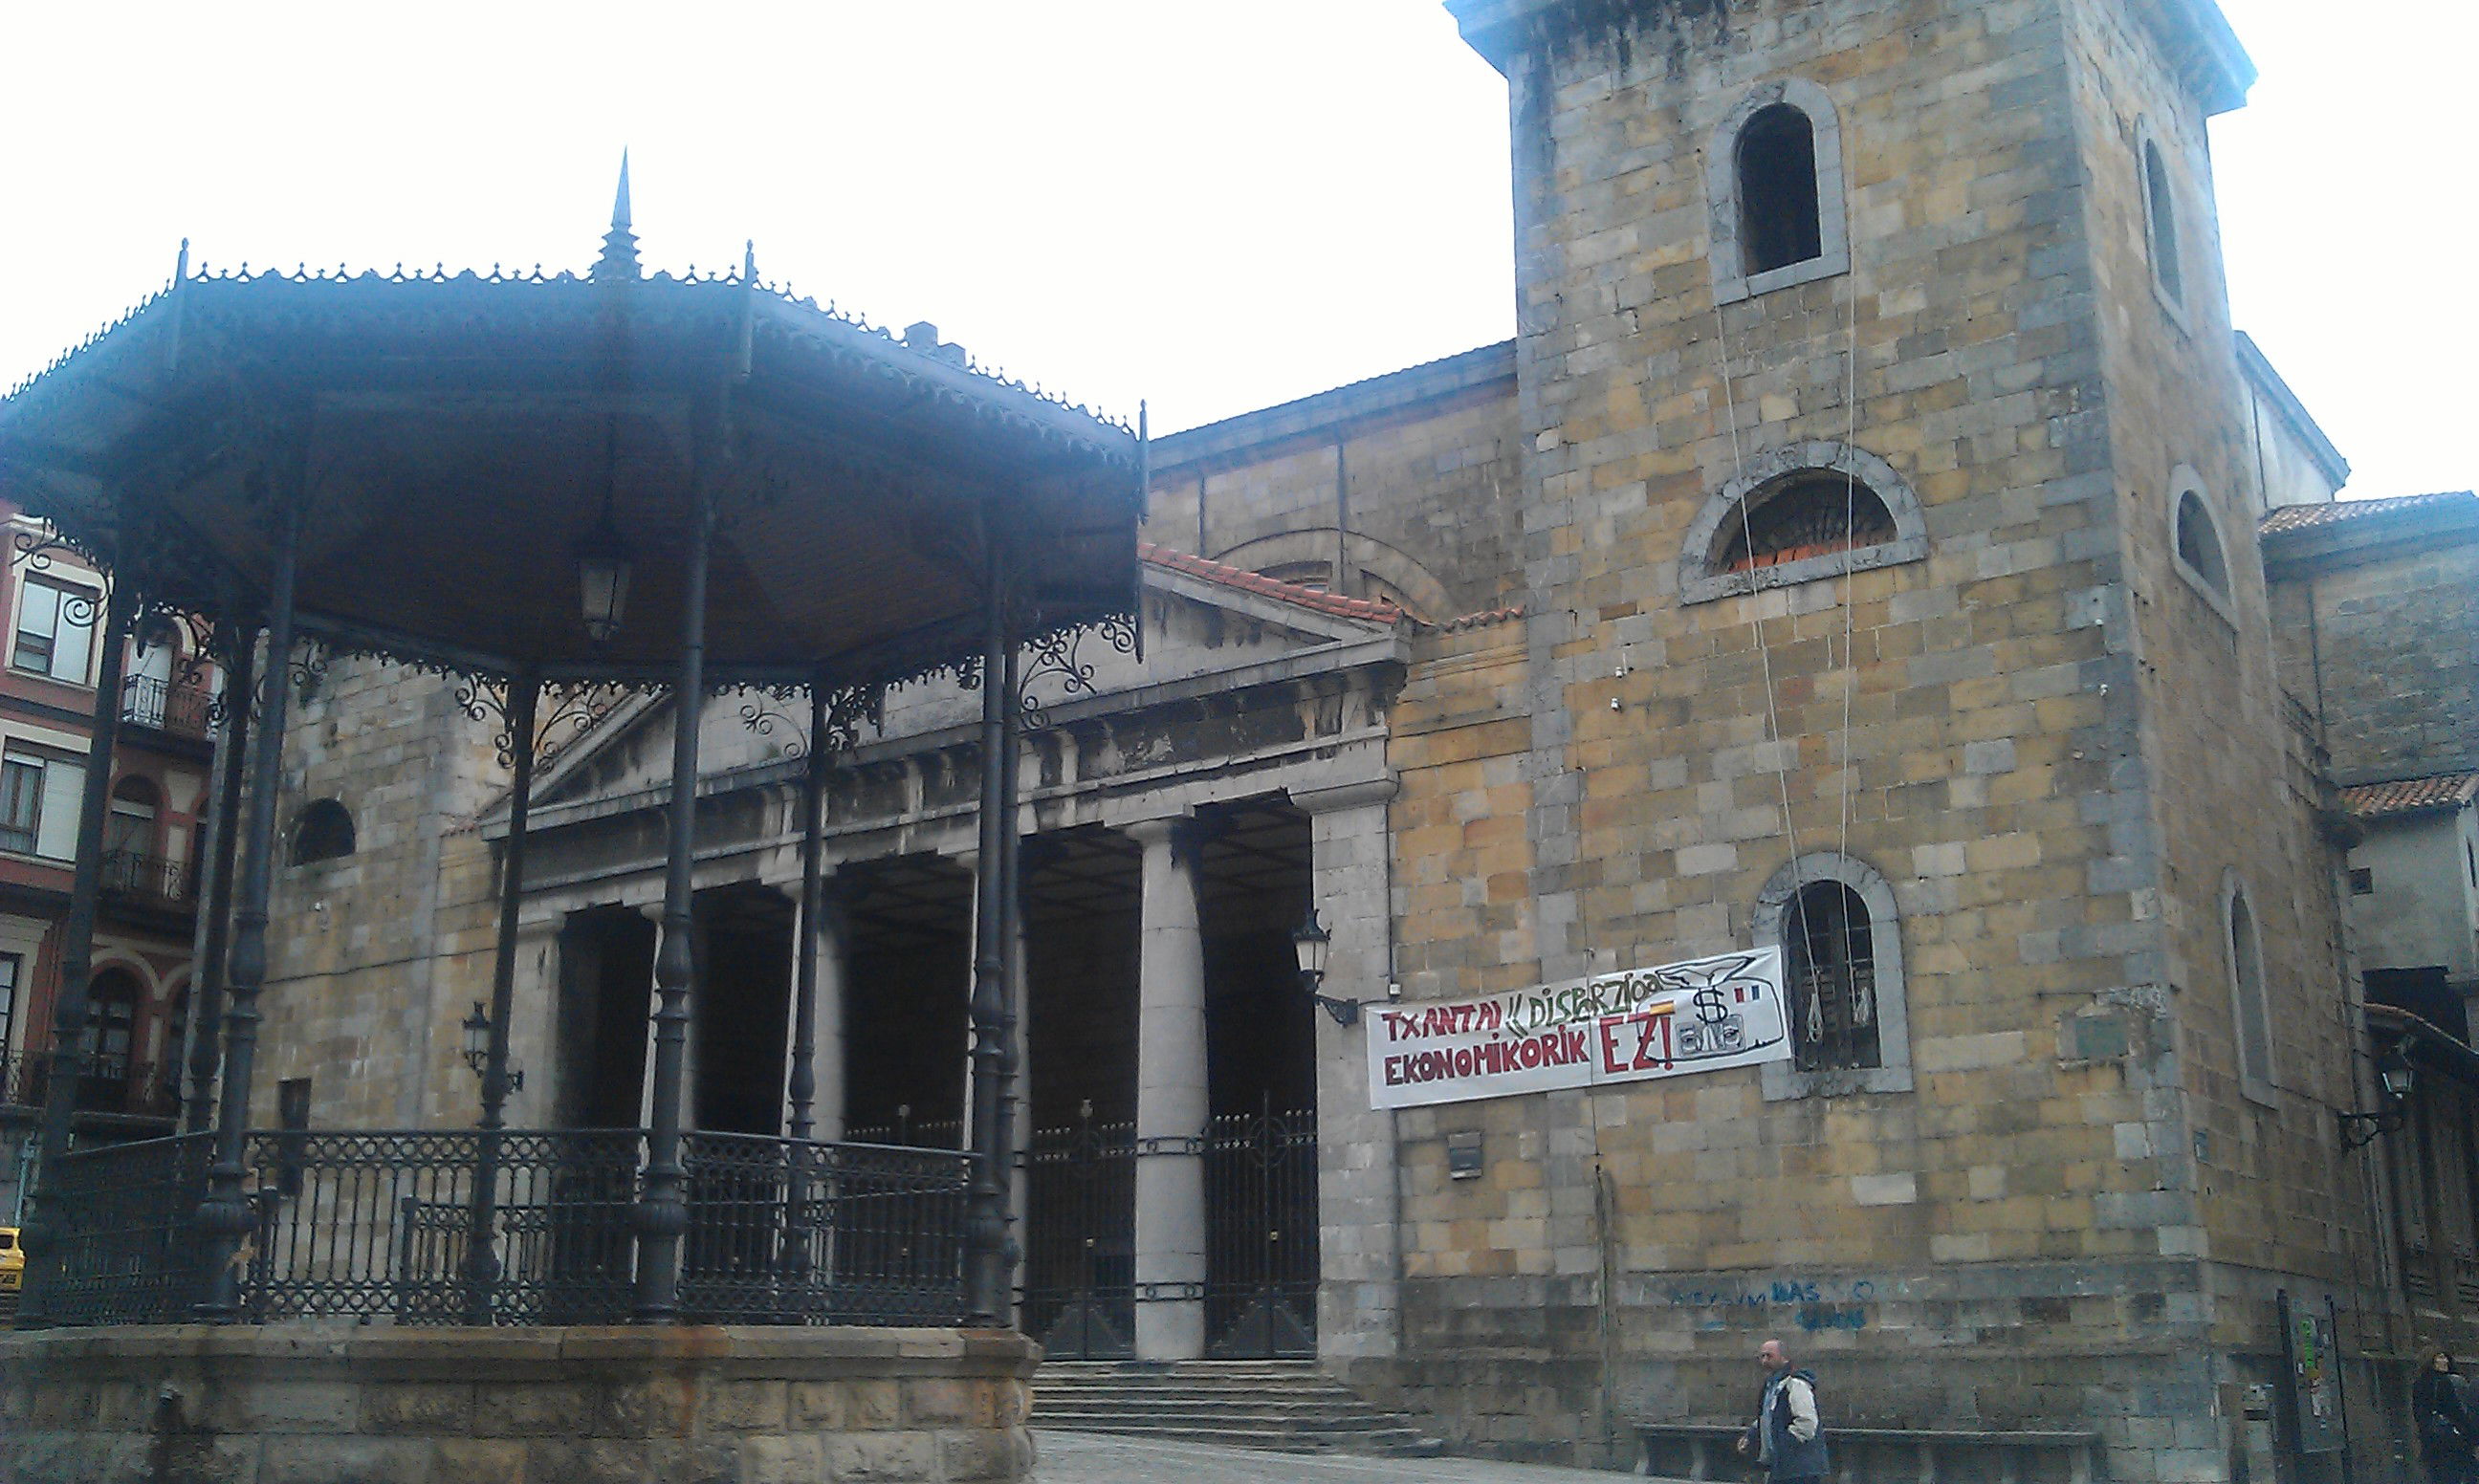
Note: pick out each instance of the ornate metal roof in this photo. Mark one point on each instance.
(453, 438)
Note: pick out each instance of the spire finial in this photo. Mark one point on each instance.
(618, 260)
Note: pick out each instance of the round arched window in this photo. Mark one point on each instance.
(323, 831)
(1808, 513)
(2199, 543)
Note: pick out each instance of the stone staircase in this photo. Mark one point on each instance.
(1286, 1406)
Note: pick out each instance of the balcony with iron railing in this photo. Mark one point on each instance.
(136, 878)
(117, 1085)
(176, 707)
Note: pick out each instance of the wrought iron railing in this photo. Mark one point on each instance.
(784, 1232)
(123, 1246)
(379, 1227)
(107, 1083)
(151, 878)
(184, 709)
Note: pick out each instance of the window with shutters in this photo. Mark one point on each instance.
(38, 804)
(54, 629)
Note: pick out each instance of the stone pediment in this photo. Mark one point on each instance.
(1206, 629)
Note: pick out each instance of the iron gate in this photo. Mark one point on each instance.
(1261, 1212)
(1080, 1267)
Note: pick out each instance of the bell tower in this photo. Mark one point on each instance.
(1890, 565)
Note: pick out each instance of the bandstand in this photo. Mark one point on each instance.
(561, 491)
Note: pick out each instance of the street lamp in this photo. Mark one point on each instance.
(1310, 941)
(2395, 1078)
(477, 1046)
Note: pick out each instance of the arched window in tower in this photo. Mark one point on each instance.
(1808, 513)
(1828, 943)
(1779, 221)
(2199, 544)
(2161, 218)
(322, 832)
(2252, 1007)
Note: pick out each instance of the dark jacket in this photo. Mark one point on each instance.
(1770, 1437)
(2446, 1429)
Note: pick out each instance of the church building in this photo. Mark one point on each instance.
(1854, 555)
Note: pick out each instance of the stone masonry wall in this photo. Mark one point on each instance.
(1436, 483)
(1970, 726)
(2394, 664)
(296, 1403)
(2271, 1191)
(369, 954)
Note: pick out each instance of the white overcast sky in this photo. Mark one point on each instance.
(1213, 206)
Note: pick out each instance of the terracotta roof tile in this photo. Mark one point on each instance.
(1482, 619)
(2304, 517)
(1265, 586)
(2411, 795)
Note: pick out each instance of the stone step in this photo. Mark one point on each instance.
(1396, 1443)
(1288, 1406)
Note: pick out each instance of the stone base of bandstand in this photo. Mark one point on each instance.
(321, 1404)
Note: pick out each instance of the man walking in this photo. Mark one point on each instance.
(1786, 1435)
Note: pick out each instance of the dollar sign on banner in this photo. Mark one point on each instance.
(1710, 1009)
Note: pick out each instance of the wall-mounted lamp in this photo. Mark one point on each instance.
(1310, 941)
(2394, 1078)
(477, 1046)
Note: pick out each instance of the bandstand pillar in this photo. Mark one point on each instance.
(77, 939)
(481, 1246)
(988, 1272)
(1171, 1097)
(226, 1216)
(662, 1213)
(217, 850)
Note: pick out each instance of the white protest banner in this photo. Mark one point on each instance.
(1696, 1016)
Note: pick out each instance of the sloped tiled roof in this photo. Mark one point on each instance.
(1263, 586)
(2411, 795)
(2304, 517)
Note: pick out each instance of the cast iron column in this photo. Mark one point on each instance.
(1011, 1153)
(77, 949)
(986, 1234)
(803, 1088)
(662, 1213)
(214, 908)
(225, 1217)
(481, 1251)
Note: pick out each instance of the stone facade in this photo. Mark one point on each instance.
(515, 1406)
(2044, 729)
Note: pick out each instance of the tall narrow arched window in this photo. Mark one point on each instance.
(2251, 1006)
(1834, 919)
(1777, 209)
(2160, 219)
(1830, 963)
(1773, 183)
(2199, 543)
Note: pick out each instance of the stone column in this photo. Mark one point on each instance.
(1358, 1230)
(828, 949)
(1171, 1105)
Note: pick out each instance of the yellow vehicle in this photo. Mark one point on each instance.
(12, 1265)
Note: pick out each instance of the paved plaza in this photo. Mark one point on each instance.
(1094, 1458)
